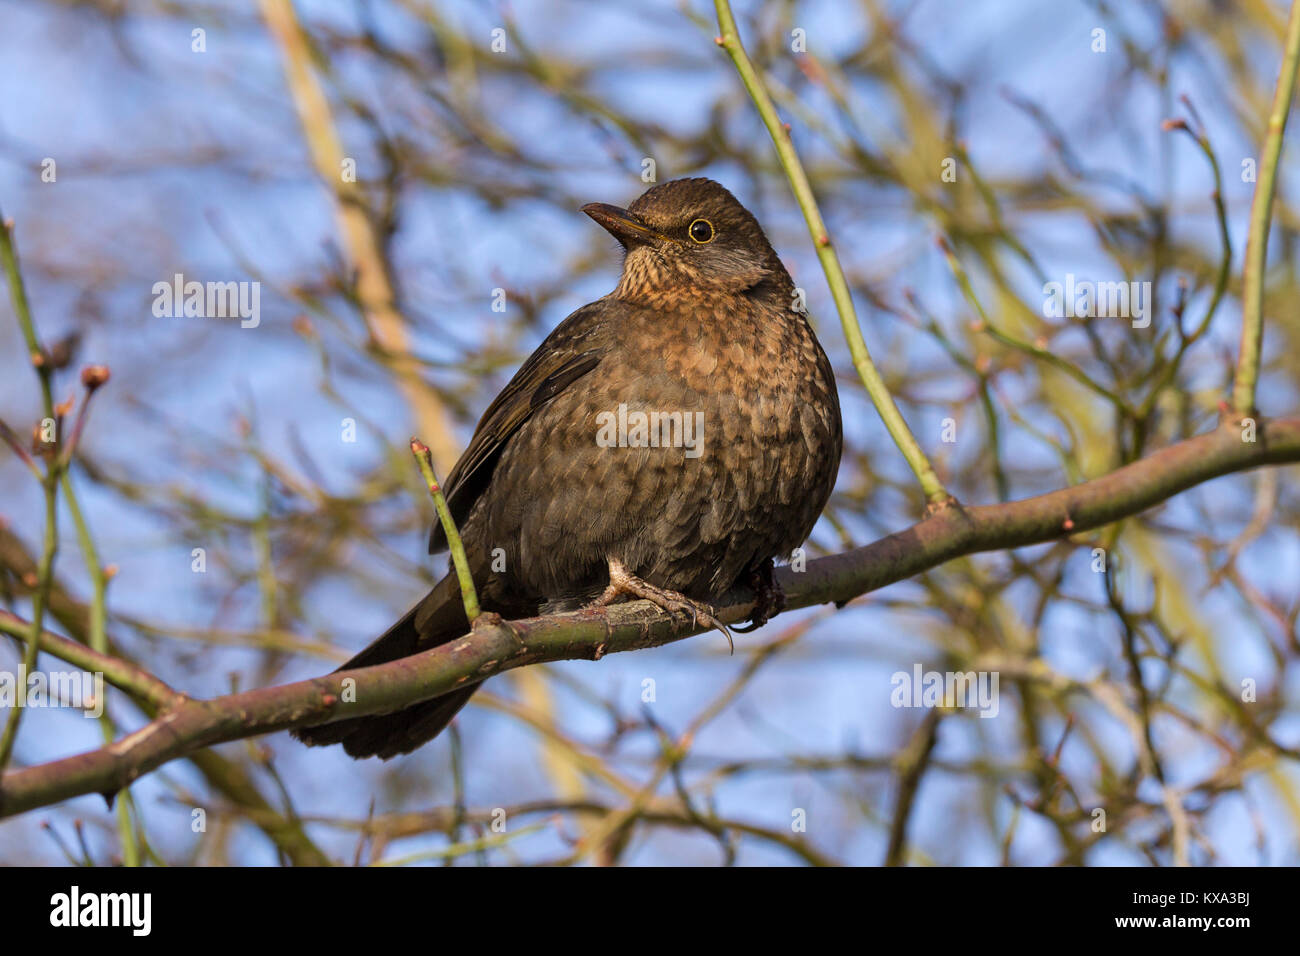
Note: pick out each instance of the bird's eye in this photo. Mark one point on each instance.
(701, 231)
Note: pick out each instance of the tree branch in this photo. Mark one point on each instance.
(1261, 212)
(494, 646)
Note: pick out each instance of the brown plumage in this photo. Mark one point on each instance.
(700, 329)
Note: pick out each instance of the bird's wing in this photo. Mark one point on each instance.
(573, 349)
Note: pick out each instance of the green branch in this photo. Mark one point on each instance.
(49, 480)
(729, 40)
(1261, 212)
(467, 593)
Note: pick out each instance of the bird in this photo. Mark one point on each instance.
(668, 442)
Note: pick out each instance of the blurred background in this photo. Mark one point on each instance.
(144, 138)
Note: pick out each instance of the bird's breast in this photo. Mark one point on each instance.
(705, 441)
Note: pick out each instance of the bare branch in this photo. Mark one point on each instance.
(495, 646)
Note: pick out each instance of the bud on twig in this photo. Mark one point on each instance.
(93, 376)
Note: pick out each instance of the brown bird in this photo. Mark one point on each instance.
(666, 442)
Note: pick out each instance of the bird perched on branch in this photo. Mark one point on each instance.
(665, 442)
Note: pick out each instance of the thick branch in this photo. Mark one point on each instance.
(493, 646)
(226, 777)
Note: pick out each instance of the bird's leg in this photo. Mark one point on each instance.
(624, 582)
(769, 599)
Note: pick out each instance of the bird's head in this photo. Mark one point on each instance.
(687, 235)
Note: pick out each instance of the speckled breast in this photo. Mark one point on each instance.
(692, 457)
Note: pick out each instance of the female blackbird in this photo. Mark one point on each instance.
(664, 442)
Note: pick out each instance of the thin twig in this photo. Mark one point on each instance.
(49, 480)
(467, 592)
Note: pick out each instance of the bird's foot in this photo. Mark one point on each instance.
(769, 598)
(623, 582)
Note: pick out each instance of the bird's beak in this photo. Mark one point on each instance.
(620, 223)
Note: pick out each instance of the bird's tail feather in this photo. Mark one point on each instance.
(437, 619)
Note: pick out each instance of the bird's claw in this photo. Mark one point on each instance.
(624, 582)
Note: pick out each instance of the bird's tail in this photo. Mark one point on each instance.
(437, 619)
